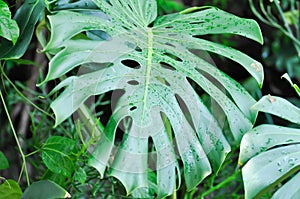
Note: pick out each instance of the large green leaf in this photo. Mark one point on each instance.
(8, 28)
(56, 153)
(151, 59)
(45, 189)
(271, 152)
(26, 17)
(10, 189)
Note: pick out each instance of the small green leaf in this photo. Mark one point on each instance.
(46, 190)
(3, 162)
(8, 28)
(80, 175)
(56, 153)
(10, 189)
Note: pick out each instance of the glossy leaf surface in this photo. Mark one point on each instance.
(8, 28)
(151, 60)
(271, 153)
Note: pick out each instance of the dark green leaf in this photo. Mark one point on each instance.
(8, 28)
(45, 189)
(26, 16)
(3, 162)
(10, 189)
(56, 153)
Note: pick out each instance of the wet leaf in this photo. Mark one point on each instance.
(279, 107)
(151, 58)
(270, 154)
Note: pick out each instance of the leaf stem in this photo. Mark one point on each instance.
(220, 185)
(16, 138)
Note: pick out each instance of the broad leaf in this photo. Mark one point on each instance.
(271, 152)
(26, 17)
(8, 28)
(152, 59)
(45, 189)
(3, 162)
(10, 189)
(56, 153)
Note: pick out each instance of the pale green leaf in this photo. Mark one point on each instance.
(270, 167)
(10, 189)
(45, 189)
(279, 107)
(265, 137)
(8, 28)
(291, 189)
(271, 153)
(156, 87)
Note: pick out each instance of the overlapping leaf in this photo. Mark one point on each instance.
(273, 151)
(26, 17)
(151, 60)
(8, 28)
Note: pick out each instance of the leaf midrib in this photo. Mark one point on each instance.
(148, 70)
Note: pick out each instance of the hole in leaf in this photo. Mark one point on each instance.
(131, 63)
(152, 155)
(151, 25)
(185, 110)
(196, 22)
(168, 44)
(163, 80)
(173, 57)
(98, 35)
(133, 82)
(133, 108)
(138, 49)
(169, 27)
(167, 66)
(126, 28)
(123, 128)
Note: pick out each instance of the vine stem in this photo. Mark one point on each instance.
(220, 185)
(16, 138)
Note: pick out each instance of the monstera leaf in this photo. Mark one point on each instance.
(153, 61)
(272, 152)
